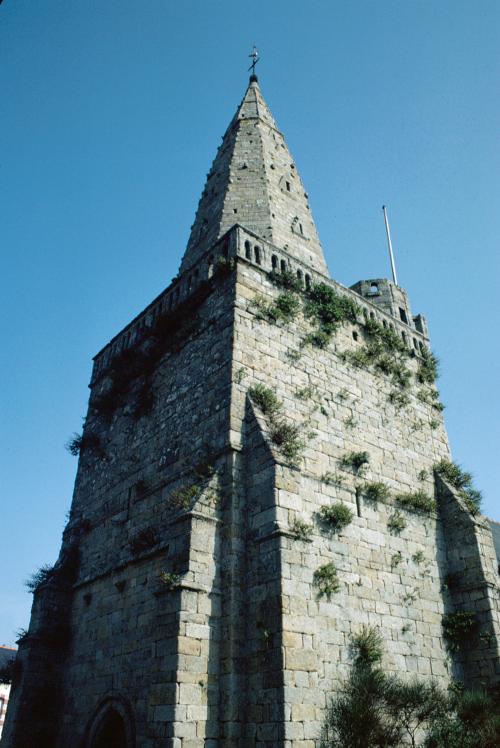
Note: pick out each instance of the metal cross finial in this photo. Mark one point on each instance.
(255, 57)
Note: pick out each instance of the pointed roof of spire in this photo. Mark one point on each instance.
(254, 182)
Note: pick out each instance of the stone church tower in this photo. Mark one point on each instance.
(264, 469)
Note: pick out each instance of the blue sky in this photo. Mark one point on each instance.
(111, 115)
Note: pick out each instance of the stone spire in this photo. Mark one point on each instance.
(254, 182)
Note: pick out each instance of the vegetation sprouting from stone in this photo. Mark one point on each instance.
(427, 372)
(306, 393)
(265, 399)
(286, 436)
(327, 309)
(374, 710)
(376, 491)
(430, 396)
(185, 496)
(396, 559)
(335, 516)
(399, 399)
(350, 422)
(471, 719)
(462, 482)
(459, 628)
(284, 308)
(356, 461)
(22, 636)
(332, 479)
(396, 523)
(169, 580)
(283, 434)
(301, 530)
(367, 646)
(418, 557)
(131, 370)
(287, 280)
(326, 580)
(39, 577)
(417, 501)
(88, 442)
(387, 353)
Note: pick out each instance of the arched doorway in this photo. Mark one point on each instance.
(112, 725)
(111, 732)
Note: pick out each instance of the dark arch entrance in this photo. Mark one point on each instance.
(112, 725)
(111, 733)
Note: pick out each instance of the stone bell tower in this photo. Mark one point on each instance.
(206, 591)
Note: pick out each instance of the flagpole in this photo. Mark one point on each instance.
(389, 242)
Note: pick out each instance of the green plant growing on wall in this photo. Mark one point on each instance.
(367, 646)
(409, 597)
(335, 516)
(332, 479)
(317, 338)
(396, 559)
(284, 308)
(39, 577)
(423, 476)
(293, 354)
(170, 580)
(434, 424)
(326, 580)
(418, 557)
(459, 628)
(417, 425)
(342, 395)
(240, 374)
(462, 481)
(185, 497)
(417, 501)
(399, 399)
(350, 422)
(396, 523)
(327, 310)
(306, 393)
(355, 461)
(371, 709)
(286, 280)
(376, 491)
(301, 530)
(88, 442)
(286, 436)
(22, 636)
(265, 399)
(428, 367)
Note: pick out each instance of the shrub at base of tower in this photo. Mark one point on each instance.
(373, 710)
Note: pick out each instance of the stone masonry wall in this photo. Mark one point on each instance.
(390, 580)
(191, 609)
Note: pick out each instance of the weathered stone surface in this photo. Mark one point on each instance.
(193, 610)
